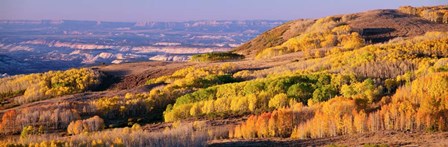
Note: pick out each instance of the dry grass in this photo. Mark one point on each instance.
(390, 138)
(182, 135)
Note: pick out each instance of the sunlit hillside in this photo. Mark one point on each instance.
(376, 78)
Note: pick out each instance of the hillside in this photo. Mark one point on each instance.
(375, 26)
(371, 78)
(274, 37)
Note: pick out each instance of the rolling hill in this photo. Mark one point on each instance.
(375, 26)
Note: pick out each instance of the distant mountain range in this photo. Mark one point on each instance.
(202, 26)
(28, 46)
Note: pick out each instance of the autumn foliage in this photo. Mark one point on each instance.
(255, 96)
(325, 32)
(279, 123)
(341, 86)
(436, 14)
(421, 109)
(36, 87)
(88, 125)
(50, 118)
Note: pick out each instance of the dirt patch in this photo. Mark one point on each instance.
(131, 75)
(211, 124)
(388, 24)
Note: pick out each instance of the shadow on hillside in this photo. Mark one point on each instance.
(107, 82)
(377, 35)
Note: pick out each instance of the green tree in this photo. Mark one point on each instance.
(390, 85)
(301, 91)
(324, 93)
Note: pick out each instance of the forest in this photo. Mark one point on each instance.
(34, 87)
(326, 81)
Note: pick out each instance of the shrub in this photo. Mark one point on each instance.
(218, 56)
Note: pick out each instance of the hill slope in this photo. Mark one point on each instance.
(274, 37)
(375, 26)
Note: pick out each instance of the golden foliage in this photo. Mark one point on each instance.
(252, 96)
(326, 32)
(51, 118)
(437, 14)
(50, 84)
(88, 125)
(279, 123)
(419, 106)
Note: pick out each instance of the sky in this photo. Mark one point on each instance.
(185, 10)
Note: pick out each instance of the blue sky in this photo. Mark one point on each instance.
(183, 10)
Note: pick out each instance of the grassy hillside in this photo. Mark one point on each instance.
(374, 26)
(313, 82)
(273, 37)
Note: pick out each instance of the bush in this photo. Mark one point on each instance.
(221, 56)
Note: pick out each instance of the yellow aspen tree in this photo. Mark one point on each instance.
(360, 122)
(195, 110)
(262, 125)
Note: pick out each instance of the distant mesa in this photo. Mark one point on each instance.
(167, 44)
